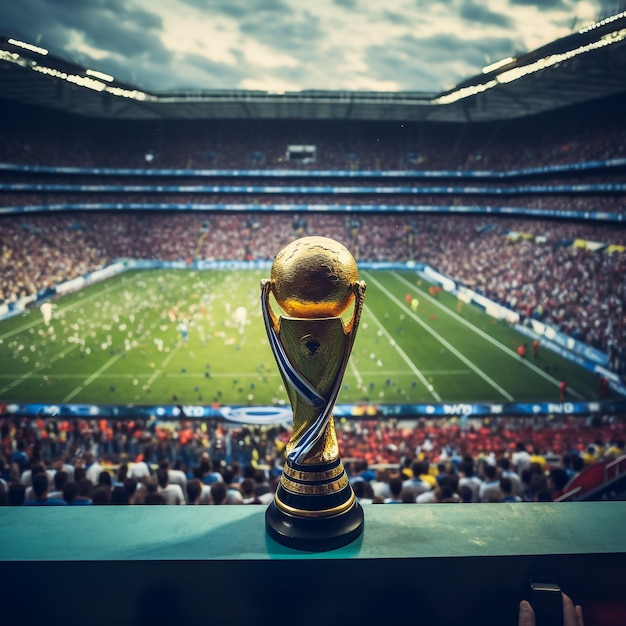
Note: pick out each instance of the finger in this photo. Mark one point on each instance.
(579, 613)
(570, 615)
(526, 614)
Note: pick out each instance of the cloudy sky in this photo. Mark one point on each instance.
(290, 45)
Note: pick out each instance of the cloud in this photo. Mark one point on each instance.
(198, 72)
(409, 45)
(433, 63)
(133, 36)
(392, 17)
(544, 5)
(239, 9)
(478, 13)
(292, 32)
(115, 33)
(351, 5)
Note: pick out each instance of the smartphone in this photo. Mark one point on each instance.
(547, 602)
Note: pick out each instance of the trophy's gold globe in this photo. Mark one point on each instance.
(313, 277)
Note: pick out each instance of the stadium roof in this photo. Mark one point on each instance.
(584, 66)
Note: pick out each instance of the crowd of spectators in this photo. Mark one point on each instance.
(139, 462)
(578, 291)
(531, 266)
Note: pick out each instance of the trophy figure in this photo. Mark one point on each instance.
(314, 281)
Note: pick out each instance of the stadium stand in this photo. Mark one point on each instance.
(593, 131)
(108, 453)
(567, 164)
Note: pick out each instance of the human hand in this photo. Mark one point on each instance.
(572, 615)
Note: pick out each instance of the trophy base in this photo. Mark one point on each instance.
(314, 534)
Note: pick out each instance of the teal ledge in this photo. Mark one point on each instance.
(204, 533)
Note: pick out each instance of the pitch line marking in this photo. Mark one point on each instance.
(234, 375)
(484, 335)
(145, 375)
(425, 372)
(443, 341)
(404, 356)
(164, 364)
(93, 377)
(27, 375)
(355, 373)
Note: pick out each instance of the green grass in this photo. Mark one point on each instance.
(104, 347)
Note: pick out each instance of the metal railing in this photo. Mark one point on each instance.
(568, 494)
(615, 468)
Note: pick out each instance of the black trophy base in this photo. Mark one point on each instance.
(314, 534)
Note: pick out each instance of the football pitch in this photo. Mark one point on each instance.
(120, 342)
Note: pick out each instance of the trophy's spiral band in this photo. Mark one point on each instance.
(314, 507)
(301, 447)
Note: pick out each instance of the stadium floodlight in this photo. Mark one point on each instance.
(5, 55)
(134, 94)
(101, 75)
(464, 92)
(554, 59)
(498, 64)
(49, 71)
(28, 46)
(89, 81)
(603, 22)
(520, 71)
(83, 81)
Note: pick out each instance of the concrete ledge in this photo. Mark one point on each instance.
(432, 564)
(238, 532)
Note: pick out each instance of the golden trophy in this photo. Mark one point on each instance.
(314, 281)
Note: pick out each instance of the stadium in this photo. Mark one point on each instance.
(487, 221)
